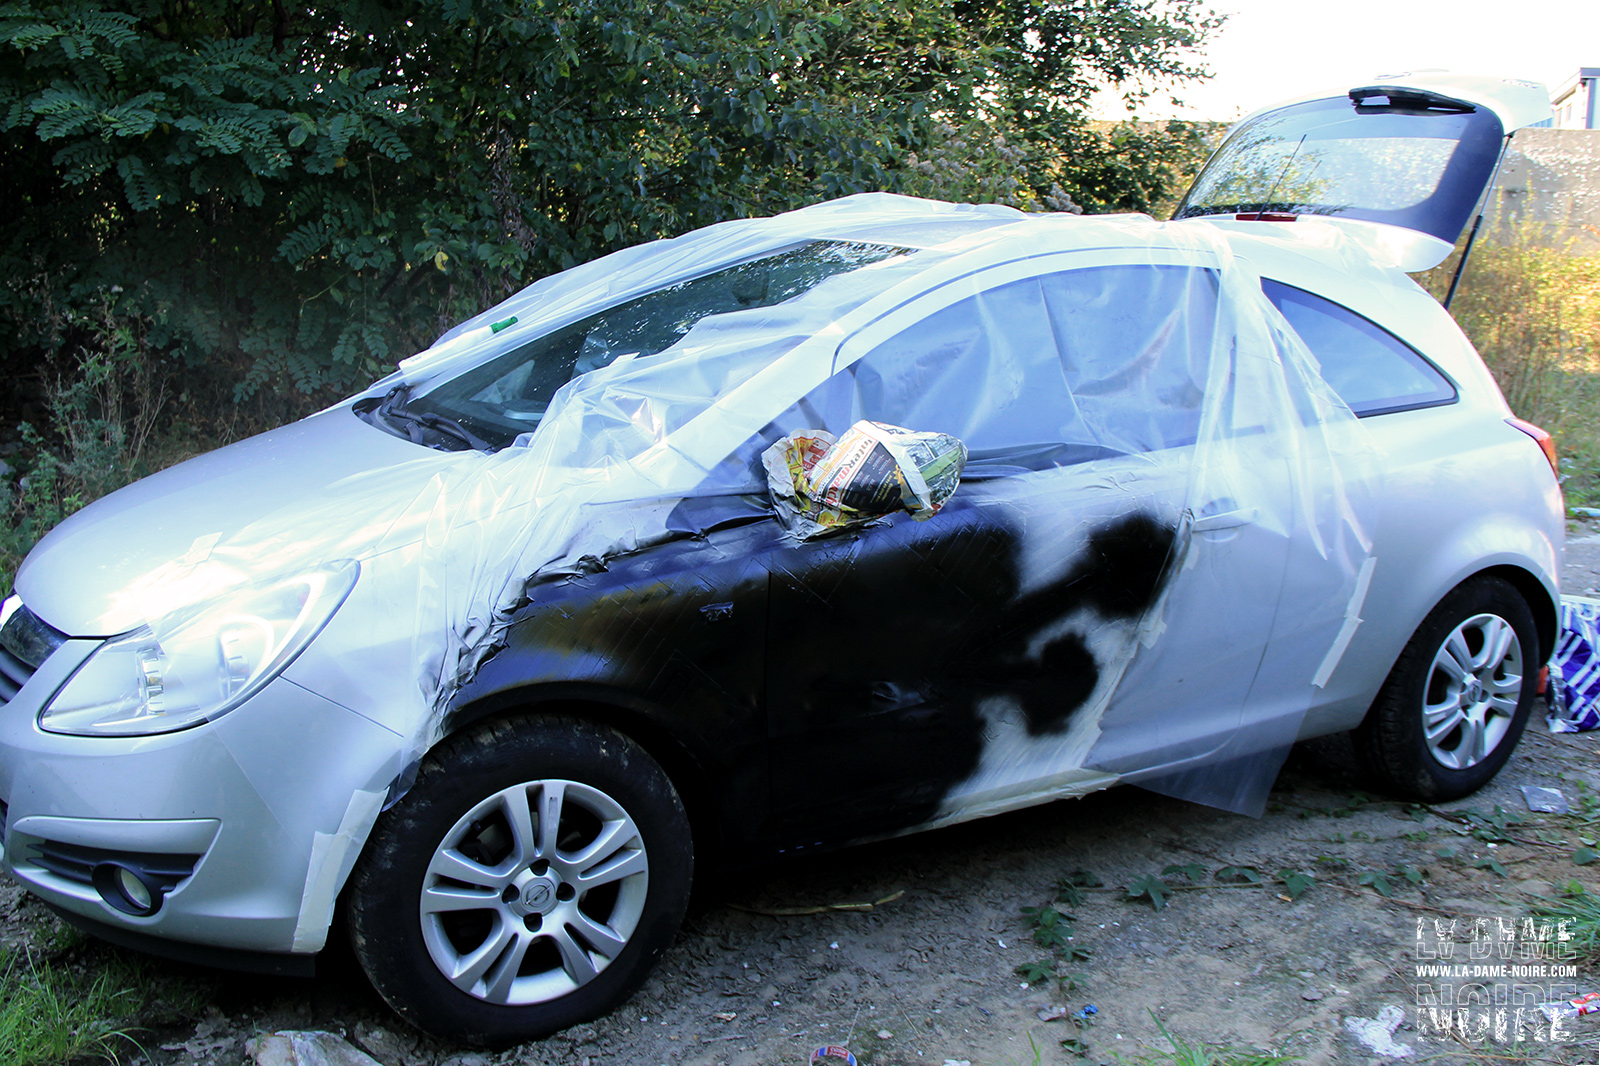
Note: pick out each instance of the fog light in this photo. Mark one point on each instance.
(126, 889)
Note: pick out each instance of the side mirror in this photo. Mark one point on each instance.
(821, 483)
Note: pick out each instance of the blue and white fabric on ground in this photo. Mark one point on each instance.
(1575, 668)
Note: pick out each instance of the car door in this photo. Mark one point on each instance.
(921, 672)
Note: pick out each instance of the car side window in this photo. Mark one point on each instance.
(1370, 368)
(1043, 371)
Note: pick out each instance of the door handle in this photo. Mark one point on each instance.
(1214, 517)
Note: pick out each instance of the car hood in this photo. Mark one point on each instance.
(77, 577)
(1405, 156)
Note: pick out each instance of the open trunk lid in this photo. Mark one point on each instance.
(1408, 154)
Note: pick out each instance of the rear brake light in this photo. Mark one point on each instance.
(1264, 216)
(1546, 442)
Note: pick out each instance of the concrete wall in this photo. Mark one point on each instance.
(1552, 177)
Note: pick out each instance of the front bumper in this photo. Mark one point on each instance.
(256, 806)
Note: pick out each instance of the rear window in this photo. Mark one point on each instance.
(1371, 369)
(1412, 162)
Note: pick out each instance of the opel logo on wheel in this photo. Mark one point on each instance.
(537, 896)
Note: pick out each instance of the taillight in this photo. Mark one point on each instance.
(1546, 442)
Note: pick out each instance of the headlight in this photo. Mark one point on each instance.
(201, 664)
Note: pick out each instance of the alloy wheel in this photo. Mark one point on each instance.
(1472, 691)
(533, 892)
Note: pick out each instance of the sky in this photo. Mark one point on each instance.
(1275, 49)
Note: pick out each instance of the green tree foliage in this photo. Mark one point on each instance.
(304, 193)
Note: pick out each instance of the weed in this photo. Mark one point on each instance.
(1490, 863)
(1193, 871)
(1239, 875)
(1184, 1053)
(1385, 884)
(1149, 887)
(1295, 883)
(48, 1015)
(1036, 971)
(1049, 925)
(1049, 928)
(1494, 827)
(1580, 908)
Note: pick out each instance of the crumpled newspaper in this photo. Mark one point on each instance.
(821, 483)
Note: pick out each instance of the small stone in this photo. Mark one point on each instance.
(884, 1034)
(306, 1048)
(1051, 1013)
(1311, 995)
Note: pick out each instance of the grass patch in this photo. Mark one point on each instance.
(52, 1014)
(1186, 1053)
(1581, 909)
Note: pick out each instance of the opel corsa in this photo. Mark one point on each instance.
(499, 653)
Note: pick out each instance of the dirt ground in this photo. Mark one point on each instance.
(930, 976)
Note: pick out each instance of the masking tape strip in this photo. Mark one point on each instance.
(1352, 619)
(333, 855)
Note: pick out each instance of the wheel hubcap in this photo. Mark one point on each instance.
(1472, 691)
(534, 892)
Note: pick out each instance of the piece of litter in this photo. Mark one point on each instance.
(834, 945)
(833, 1051)
(997, 940)
(800, 912)
(1377, 1034)
(725, 1015)
(884, 1034)
(1545, 800)
(1588, 1003)
(956, 1062)
(1052, 1012)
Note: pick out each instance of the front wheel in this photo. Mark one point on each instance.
(528, 881)
(1456, 702)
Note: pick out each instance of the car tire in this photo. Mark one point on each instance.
(1456, 701)
(480, 925)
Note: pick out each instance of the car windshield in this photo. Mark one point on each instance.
(488, 406)
(1415, 161)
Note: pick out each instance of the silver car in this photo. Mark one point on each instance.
(497, 653)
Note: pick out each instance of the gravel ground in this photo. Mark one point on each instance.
(930, 975)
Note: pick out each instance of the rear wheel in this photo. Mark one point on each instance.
(527, 882)
(1457, 700)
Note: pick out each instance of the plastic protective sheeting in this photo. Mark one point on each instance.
(1181, 502)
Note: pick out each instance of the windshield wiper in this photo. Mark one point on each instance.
(392, 410)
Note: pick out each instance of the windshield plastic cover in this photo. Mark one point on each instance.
(622, 449)
(1416, 161)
